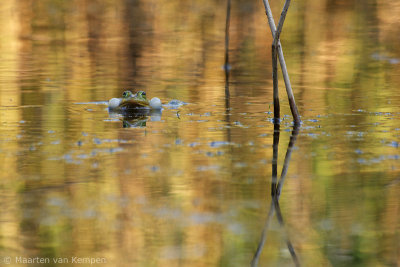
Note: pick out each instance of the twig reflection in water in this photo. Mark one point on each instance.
(276, 189)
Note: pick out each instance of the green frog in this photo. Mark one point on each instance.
(134, 101)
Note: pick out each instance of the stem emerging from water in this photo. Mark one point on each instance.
(277, 45)
(226, 65)
(275, 83)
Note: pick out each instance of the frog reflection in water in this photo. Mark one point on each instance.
(135, 121)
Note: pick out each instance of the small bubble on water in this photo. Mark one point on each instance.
(218, 143)
(361, 161)
(194, 144)
(178, 141)
(358, 151)
(154, 168)
(97, 141)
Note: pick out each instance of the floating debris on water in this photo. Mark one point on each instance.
(174, 104)
(219, 143)
(394, 144)
(238, 123)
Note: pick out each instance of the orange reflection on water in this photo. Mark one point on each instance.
(192, 187)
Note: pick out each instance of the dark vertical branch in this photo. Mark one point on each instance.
(275, 84)
(226, 65)
(227, 69)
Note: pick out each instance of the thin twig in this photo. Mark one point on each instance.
(274, 60)
(280, 23)
(275, 85)
(289, 91)
(227, 70)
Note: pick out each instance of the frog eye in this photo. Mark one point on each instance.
(143, 93)
(127, 94)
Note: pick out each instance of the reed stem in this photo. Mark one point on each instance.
(277, 45)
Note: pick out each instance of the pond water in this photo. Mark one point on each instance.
(192, 186)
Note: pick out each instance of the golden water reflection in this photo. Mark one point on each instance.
(192, 187)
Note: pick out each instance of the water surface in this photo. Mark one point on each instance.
(192, 186)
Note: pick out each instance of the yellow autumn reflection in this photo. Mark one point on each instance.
(192, 187)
